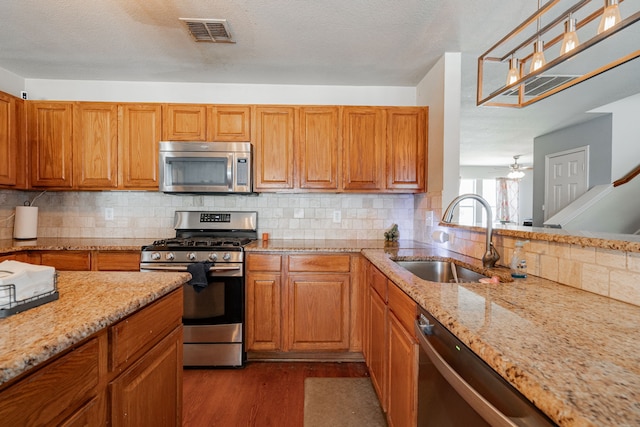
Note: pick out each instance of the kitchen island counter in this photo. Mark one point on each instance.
(88, 303)
(571, 352)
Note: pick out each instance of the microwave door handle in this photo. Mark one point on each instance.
(231, 166)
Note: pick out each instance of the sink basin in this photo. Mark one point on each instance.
(440, 271)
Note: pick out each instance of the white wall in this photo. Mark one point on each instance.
(625, 135)
(212, 93)
(11, 83)
(440, 89)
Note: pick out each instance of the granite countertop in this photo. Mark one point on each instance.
(571, 352)
(322, 245)
(88, 302)
(72, 243)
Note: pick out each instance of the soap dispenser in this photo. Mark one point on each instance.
(518, 261)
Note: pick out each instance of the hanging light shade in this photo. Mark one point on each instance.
(546, 69)
(514, 74)
(537, 60)
(610, 16)
(570, 39)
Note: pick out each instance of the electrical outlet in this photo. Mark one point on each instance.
(108, 214)
(337, 216)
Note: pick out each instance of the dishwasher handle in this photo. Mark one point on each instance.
(481, 405)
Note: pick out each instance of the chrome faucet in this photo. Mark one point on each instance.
(491, 255)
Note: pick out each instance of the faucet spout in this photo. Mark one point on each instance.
(491, 255)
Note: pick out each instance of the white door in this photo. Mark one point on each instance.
(566, 179)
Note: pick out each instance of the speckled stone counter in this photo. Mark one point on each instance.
(618, 242)
(76, 244)
(321, 245)
(88, 302)
(573, 353)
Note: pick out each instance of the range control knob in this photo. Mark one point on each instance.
(192, 256)
(155, 256)
(226, 256)
(170, 256)
(213, 256)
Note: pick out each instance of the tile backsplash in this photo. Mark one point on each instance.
(150, 214)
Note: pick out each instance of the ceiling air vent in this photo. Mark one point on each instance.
(209, 30)
(541, 84)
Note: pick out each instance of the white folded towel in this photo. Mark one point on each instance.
(29, 280)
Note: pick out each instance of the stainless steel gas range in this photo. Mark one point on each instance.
(210, 245)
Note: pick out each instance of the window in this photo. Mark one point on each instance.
(471, 212)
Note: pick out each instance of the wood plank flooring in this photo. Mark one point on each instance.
(262, 394)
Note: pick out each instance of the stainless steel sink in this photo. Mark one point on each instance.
(440, 271)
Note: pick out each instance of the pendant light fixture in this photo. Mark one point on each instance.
(538, 69)
(537, 60)
(610, 16)
(514, 74)
(570, 39)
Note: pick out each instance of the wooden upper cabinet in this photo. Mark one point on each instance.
(50, 138)
(182, 122)
(230, 123)
(139, 134)
(95, 148)
(406, 148)
(363, 148)
(319, 153)
(274, 142)
(8, 141)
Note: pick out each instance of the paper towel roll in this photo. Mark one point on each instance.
(25, 225)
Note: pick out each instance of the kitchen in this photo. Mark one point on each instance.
(282, 215)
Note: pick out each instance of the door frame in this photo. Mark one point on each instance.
(547, 157)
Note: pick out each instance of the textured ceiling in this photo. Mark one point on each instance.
(329, 42)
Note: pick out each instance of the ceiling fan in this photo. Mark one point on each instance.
(516, 170)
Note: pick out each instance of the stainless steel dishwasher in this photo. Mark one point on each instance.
(457, 388)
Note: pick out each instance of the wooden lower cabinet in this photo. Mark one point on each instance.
(377, 357)
(149, 393)
(318, 312)
(96, 260)
(84, 387)
(300, 303)
(392, 354)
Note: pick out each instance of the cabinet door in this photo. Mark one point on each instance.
(95, 148)
(149, 393)
(63, 260)
(318, 312)
(378, 345)
(406, 148)
(139, 135)
(50, 139)
(230, 123)
(274, 135)
(403, 375)
(116, 261)
(8, 141)
(184, 122)
(363, 148)
(263, 311)
(318, 157)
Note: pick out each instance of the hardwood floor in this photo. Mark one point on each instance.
(262, 394)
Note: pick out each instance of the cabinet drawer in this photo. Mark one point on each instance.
(61, 386)
(378, 281)
(137, 333)
(402, 306)
(67, 260)
(117, 261)
(263, 262)
(320, 263)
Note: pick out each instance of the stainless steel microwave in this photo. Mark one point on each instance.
(205, 167)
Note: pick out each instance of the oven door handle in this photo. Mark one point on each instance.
(182, 268)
